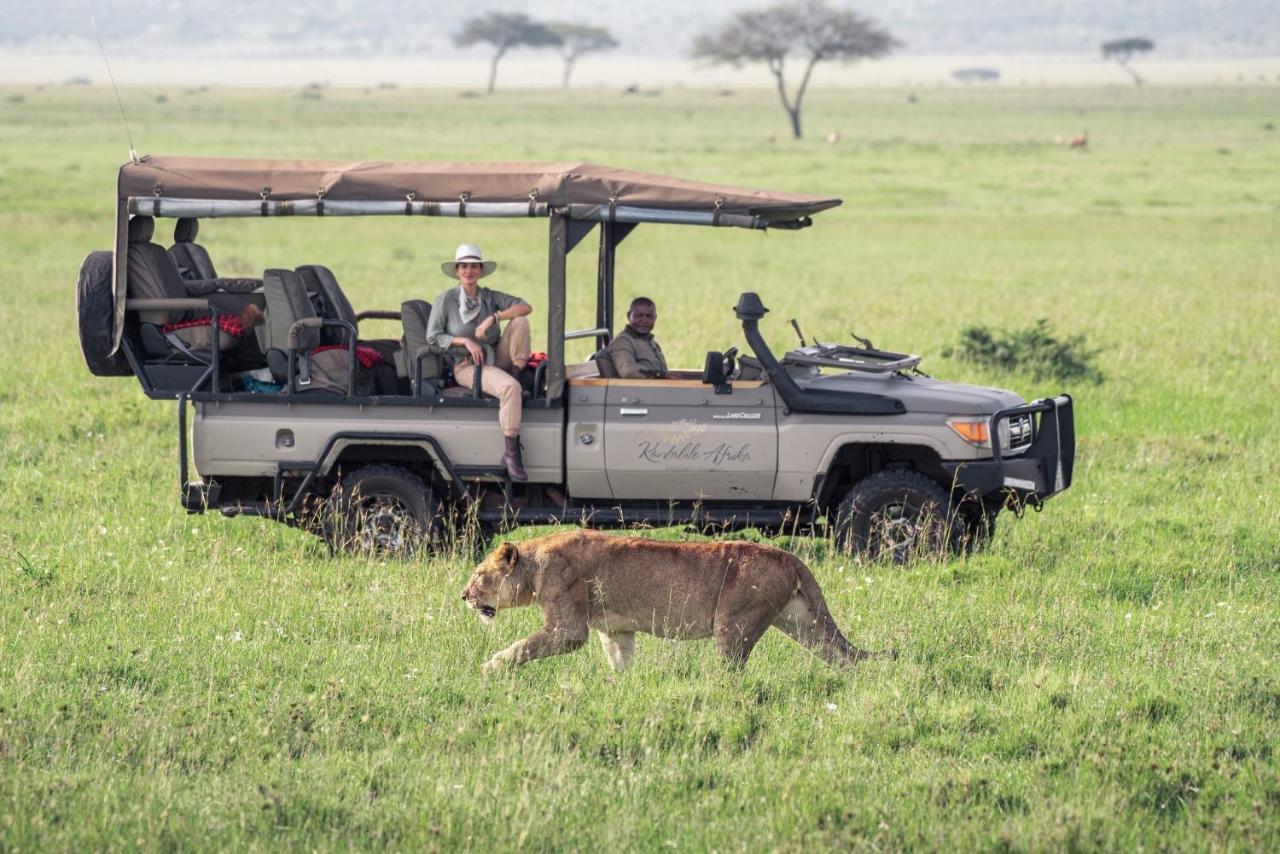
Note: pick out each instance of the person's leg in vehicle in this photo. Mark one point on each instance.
(500, 384)
(514, 347)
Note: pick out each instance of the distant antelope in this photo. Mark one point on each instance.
(1081, 141)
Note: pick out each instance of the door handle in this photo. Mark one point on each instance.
(630, 410)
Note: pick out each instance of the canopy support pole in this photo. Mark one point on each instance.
(557, 262)
(611, 234)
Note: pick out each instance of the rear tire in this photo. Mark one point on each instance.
(96, 313)
(897, 515)
(382, 510)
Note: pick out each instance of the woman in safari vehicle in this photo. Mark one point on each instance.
(466, 320)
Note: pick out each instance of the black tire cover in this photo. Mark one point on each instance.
(95, 311)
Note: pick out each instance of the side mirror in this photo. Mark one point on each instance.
(713, 373)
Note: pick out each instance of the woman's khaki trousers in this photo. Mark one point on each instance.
(513, 350)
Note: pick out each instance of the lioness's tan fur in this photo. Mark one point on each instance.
(582, 580)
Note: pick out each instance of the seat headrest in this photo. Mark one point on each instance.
(141, 228)
(420, 308)
(186, 229)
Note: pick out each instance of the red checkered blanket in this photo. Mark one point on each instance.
(366, 356)
(228, 323)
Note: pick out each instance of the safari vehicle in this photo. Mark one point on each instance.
(848, 440)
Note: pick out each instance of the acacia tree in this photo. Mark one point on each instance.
(504, 30)
(808, 29)
(579, 39)
(1123, 50)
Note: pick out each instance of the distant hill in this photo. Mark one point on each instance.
(657, 28)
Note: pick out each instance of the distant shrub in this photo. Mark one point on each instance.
(1034, 349)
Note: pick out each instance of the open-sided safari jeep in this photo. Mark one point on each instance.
(298, 421)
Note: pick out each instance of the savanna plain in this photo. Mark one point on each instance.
(1103, 676)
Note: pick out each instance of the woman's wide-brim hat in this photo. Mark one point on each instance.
(468, 252)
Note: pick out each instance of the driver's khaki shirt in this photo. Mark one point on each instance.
(637, 356)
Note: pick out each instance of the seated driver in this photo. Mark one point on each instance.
(635, 352)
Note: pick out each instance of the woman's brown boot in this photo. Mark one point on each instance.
(511, 459)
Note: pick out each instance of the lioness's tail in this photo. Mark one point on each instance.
(808, 619)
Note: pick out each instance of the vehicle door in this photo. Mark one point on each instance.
(680, 440)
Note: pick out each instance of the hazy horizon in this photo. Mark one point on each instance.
(660, 29)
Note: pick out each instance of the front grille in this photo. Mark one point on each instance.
(1016, 432)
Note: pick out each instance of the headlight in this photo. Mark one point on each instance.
(1015, 432)
(972, 430)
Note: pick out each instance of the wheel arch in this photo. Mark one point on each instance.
(850, 459)
(418, 452)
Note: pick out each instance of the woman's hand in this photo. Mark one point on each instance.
(474, 350)
(482, 328)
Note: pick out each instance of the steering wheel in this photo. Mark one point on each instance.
(730, 363)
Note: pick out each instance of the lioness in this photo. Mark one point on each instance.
(618, 586)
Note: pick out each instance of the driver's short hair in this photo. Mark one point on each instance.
(642, 301)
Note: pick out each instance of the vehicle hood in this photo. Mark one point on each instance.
(919, 393)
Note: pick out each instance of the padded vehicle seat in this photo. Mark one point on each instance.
(604, 364)
(414, 316)
(196, 267)
(287, 303)
(152, 274)
(328, 299)
(192, 259)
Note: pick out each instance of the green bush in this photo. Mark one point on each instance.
(1034, 349)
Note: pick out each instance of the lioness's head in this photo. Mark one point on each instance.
(496, 583)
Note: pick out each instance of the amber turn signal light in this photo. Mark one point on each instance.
(972, 430)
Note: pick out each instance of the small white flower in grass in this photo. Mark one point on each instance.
(866, 578)
(237, 636)
(1128, 616)
(102, 530)
(831, 707)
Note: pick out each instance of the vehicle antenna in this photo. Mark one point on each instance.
(799, 334)
(133, 152)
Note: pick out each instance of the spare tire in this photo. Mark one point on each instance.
(95, 310)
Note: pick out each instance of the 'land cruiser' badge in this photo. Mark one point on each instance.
(737, 416)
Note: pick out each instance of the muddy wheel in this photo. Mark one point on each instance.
(894, 515)
(382, 510)
(96, 312)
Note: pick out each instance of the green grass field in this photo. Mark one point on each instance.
(1105, 675)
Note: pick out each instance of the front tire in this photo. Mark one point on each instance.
(382, 510)
(897, 515)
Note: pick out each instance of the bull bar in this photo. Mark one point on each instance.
(1043, 470)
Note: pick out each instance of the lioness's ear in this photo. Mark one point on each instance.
(508, 553)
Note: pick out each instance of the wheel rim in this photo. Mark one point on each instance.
(384, 523)
(895, 531)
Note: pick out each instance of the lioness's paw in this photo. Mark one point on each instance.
(493, 665)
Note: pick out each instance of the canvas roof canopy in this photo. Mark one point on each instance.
(570, 193)
(577, 189)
